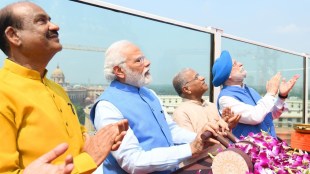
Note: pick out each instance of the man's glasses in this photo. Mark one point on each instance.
(139, 60)
(195, 78)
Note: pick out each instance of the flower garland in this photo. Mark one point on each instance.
(271, 156)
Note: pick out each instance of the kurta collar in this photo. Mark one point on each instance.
(203, 103)
(242, 86)
(124, 86)
(21, 70)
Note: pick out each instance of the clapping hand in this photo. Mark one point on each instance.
(286, 86)
(106, 139)
(272, 86)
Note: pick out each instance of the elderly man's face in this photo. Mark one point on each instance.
(195, 83)
(137, 69)
(238, 73)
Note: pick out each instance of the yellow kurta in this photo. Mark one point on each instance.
(35, 116)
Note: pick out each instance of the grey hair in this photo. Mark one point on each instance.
(114, 57)
(179, 80)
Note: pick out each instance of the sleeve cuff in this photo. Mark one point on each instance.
(188, 151)
(281, 105)
(271, 95)
(83, 163)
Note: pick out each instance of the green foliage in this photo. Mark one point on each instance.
(80, 112)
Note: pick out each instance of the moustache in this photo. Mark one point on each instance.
(146, 71)
(51, 34)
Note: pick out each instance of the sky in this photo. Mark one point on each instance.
(280, 23)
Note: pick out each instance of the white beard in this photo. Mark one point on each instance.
(240, 76)
(137, 79)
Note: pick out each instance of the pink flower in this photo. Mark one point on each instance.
(269, 155)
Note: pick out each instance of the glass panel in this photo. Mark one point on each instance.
(86, 31)
(261, 64)
(308, 108)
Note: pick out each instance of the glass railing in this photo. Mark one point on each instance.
(261, 64)
(87, 29)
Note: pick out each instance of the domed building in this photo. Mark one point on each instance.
(80, 95)
(59, 77)
(77, 94)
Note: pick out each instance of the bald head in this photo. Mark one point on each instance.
(180, 80)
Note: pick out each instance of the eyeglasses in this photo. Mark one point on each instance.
(195, 78)
(139, 60)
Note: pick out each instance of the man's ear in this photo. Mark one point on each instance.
(12, 36)
(186, 90)
(118, 71)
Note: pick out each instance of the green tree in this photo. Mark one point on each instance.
(80, 112)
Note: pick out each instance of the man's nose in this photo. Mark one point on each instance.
(53, 26)
(147, 62)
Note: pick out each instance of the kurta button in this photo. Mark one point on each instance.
(66, 123)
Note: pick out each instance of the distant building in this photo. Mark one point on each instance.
(171, 102)
(59, 77)
(78, 94)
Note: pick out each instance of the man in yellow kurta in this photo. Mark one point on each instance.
(35, 113)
